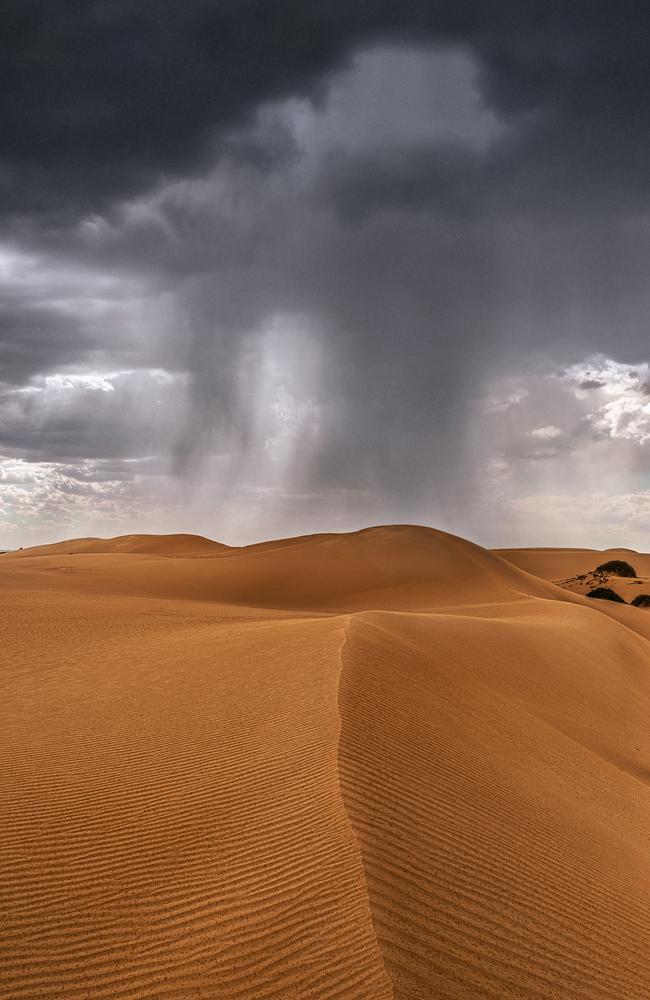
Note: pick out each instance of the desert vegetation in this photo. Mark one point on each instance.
(617, 567)
(606, 594)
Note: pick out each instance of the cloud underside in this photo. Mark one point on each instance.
(302, 264)
(105, 102)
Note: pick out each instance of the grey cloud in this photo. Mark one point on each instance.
(446, 178)
(60, 311)
(46, 423)
(422, 255)
(412, 311)
(36, 339)
(591, 383)
(104, 100)
(109, 470)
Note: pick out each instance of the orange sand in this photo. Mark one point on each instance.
(573, 569)
(388, 764)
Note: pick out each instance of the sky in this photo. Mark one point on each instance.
(271, 267)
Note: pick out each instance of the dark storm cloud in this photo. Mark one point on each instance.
(35, 339)
(102, 99)
(59, 419)
(446, 178)
(420, 248)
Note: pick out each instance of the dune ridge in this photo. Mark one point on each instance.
(467, 862)
(387, 764)
(172, 546)
(387, 567)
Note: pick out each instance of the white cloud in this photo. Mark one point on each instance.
(548, 433)
(565, 457)
(104, 381)
(618, 398)
(48, 501)
(603, 375)
(505, 400)
(91, 381)
(626, 417)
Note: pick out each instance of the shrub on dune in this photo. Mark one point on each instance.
(617, 567)
(605, 594)
(641, 601)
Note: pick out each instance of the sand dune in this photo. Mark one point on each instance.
(559, 564)
(573, 569)
(388, 568)
(388, 764)
(173, 546)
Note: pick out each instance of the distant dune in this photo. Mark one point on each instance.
(156, 545)
(574, 569)
(558, 564)
(385, 764)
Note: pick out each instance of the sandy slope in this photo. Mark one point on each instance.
(386, 764)
(573, 569)
(559, 564)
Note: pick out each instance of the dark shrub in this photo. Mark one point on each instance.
(617, 567)
(641, 601)
(605, 594)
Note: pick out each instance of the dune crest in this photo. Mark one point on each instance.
(158, 545)
(393, 567)
(387, 764)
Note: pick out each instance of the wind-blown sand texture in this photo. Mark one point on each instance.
(389, 764)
